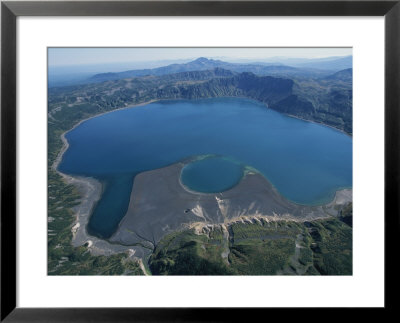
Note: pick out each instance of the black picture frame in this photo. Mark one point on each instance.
(10, 10)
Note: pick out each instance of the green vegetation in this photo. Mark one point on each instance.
(63, 258)
(327, 101)
(321, 247)
(331, 246)
(185, 253)
(266, 248)
(346, 214)
(261, 257)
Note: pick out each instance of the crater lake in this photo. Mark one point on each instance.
(219, 140)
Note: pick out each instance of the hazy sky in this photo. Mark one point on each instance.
(85, 56)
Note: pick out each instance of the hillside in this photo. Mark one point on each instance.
(203, 64)
(321, 247)
(327, 101)
(251, 247)
(345, 75)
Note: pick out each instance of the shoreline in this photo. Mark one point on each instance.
(173, 206)
(316, 122)
(65, 141)
(90, 190)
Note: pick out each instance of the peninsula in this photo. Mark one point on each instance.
(167, 228)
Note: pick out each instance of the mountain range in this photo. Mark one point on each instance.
(325, 99)
(311, 69)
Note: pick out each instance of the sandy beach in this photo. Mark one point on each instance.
(90, 190)
(160, 204)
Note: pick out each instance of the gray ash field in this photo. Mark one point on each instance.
(160, 204)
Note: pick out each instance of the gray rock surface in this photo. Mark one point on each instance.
(160, 204)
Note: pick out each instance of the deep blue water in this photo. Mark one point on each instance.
(306, 162)
(212, 174)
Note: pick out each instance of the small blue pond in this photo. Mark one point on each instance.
(306, 162)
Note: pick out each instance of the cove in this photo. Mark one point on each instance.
(306, 162)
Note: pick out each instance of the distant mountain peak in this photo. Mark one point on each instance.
(201, 60)
(203, 63)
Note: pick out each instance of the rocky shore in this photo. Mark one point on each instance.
(160, 204)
